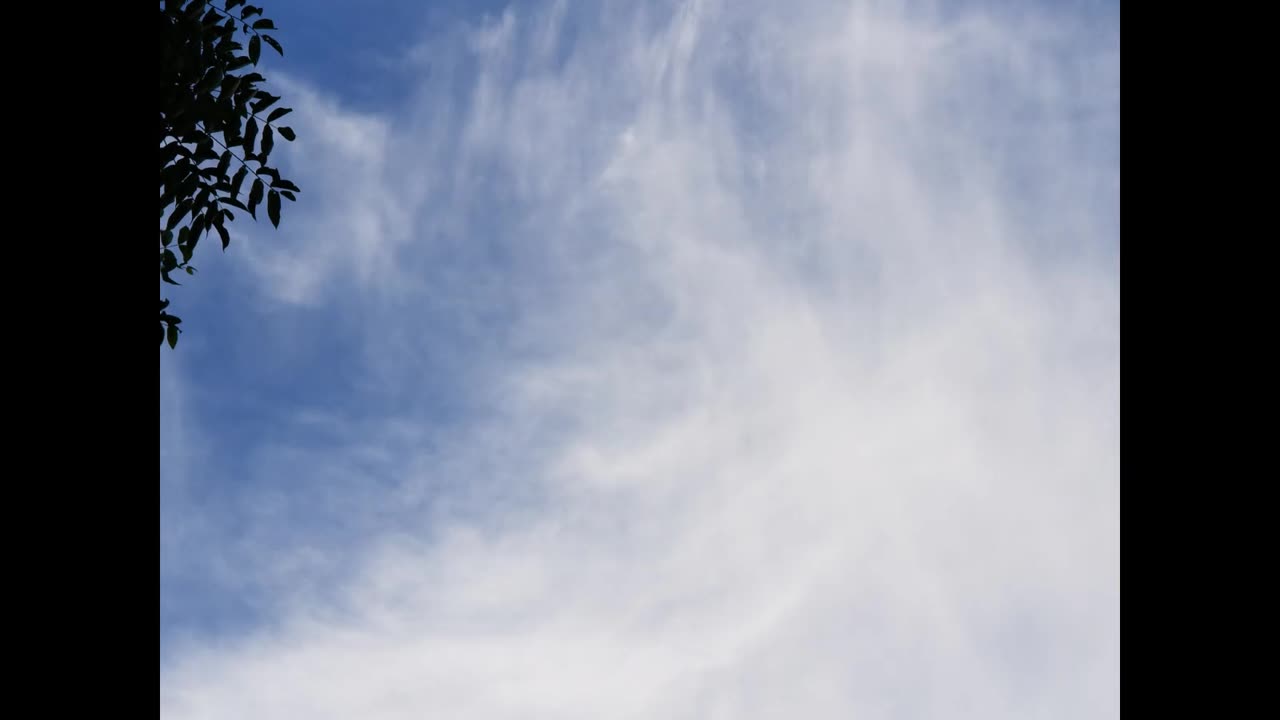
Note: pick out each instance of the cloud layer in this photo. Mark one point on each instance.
(714, 360)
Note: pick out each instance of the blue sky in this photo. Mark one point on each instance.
(660, 360)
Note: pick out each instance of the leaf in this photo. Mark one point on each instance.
(231, 4)
(236, 64)
(255, 49)
(268, 142)
(264, 24)
(224, 164)
(226, 237)
(210, 81)
(278, 113)
(181, 149)
(189, 185)
(273, 208)
(238, 180)
(289, 195)
(285, 185)
(287, 133)
(197, 228)
(273, 43)
(250, 134)
(178, 212)
(249, 11)
(255, 197)
(166, 237)
(205, 153)
(265, 100)
(169, 151)
(173, 336)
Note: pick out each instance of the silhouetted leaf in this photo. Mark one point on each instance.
(173, 336)
(250, 134)
(264, 24)
(265, 100)
(238, 180)
(197, 227)
(224, 163)
(255, 197)
(210, 81)
(272, 42)
(182, 209)
(226, 237)
(273, 208)
(268, 142)
(278, 113)
(287, 133)
(255, 49)
(205, 152)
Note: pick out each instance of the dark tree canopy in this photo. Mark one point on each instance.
(216, 134)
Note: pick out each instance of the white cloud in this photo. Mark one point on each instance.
(353, 214)
(810, 405)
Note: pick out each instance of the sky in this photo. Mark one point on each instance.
(668, 359)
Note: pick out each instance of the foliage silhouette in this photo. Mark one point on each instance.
(214, 137)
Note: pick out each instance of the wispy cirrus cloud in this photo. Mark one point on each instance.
(705, 360)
